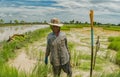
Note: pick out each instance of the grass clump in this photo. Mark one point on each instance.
(85, 66)
(118, 58)
(85, 56)
(41, 70)
(71, 46)
(115, 45)
(113, 28)
(111, 39)
(114, 74)
(8, 71)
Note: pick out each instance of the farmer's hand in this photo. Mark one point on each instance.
(46, 60)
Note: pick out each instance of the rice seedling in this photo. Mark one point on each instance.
(114, 28)
(71, 46)
(41, 55)
(100, 60)
(114, 74)
(85, 56)
(110, 39)
(85, 66)
(41, 70)
(115, 45)
(69, 26)
(118, 58)
(107, 54)
(75, 59)
(8, 71)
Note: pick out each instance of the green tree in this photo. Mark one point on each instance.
(71, 22)
(16, 21)
(1, 21)
(77, 22)
(45, 22)
(95, 23)
(118, 24)
(22, 21)
(86, 22)
(10, 21)
(99, 23)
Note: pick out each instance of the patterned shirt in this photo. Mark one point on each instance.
(57, 49)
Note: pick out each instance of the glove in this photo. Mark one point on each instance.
(46, 60)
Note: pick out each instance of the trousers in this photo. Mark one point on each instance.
(66, 68)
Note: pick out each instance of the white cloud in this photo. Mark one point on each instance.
(2, 15)
(65, 10)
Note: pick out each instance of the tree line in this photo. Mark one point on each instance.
(19, 22)
(45, 22)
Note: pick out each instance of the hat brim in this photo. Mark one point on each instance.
(59, 25)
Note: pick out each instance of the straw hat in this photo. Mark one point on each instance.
(55, 22)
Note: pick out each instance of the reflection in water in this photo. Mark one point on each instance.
(7, 31)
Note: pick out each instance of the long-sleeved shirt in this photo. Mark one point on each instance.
(57, 49)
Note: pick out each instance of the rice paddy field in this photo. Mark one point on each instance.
(24, 56)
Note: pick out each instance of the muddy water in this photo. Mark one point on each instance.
(7, 31)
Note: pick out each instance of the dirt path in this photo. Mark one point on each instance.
(22, 62)
(28, 57)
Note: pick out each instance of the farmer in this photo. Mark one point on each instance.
(58, 50)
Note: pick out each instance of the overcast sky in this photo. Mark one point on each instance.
(105, 11)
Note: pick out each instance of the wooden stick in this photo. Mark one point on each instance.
(91, 21)
(97, 49)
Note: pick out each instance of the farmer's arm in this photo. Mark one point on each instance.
(67, 46)
(47, 49)
(47, 52)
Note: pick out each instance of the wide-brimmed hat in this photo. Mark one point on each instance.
(55, 22)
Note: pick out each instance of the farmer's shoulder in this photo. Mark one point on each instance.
(50, 35)
(62, 34)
